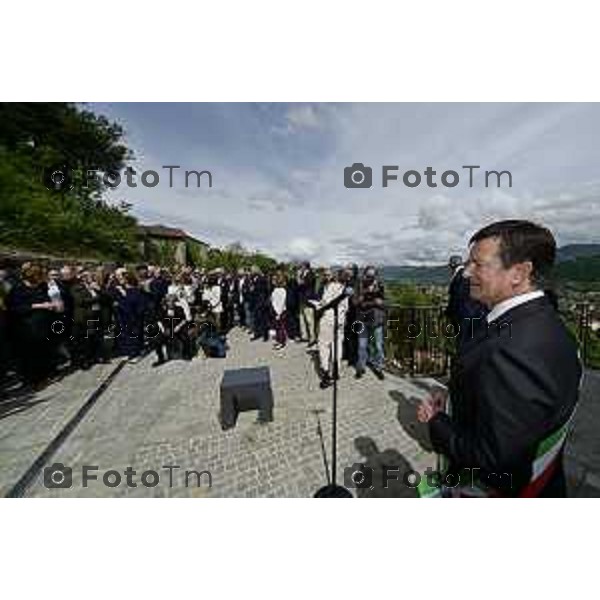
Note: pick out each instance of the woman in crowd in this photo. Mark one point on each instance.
(130, 315)
(278, 304)
(30, 313)
(212, 295)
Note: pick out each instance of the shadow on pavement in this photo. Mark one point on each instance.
(384, 472)
(407, 417)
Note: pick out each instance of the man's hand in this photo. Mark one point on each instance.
(432, 405)
(43, 305)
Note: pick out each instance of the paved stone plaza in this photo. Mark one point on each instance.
(151, 418)
(148, 418)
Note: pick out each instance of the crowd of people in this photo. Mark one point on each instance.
(55, 319)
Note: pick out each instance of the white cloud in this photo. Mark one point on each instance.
(302, 248)
(302, 117)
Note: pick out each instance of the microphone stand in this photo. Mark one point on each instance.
(332, 490)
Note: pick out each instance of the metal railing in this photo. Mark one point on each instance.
(588, 338)
(419, 340)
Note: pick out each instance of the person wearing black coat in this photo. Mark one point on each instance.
(172, 331)
(292, 311)
(350, 344)
(30, 316)
(130, 311)
(79, 315)
(516, 383)
(5, 351)
(261, 296)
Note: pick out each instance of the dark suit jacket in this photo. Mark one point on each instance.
(513, 386)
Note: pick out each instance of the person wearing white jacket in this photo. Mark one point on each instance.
(212, 296)
(278, 304)
(334, 287)
(182, 288)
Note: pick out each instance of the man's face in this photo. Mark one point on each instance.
(67, 274)
(490, 281)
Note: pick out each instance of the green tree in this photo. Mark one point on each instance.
(34, 136)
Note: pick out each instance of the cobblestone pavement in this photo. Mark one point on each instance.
(582, 451)
(150, 418)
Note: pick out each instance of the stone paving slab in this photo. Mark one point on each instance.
(150, 417)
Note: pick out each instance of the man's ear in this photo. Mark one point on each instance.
(523, 272)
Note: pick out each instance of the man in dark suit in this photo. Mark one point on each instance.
(516, 382)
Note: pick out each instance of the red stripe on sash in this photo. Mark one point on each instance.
(533, 488)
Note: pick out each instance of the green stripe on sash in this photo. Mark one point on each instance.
(424, 490)
(551, 440)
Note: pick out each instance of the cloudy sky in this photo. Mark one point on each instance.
(278, 174)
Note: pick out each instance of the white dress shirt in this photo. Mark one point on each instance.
(511, 303)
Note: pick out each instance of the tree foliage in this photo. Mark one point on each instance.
(36, 136)
(78, 221)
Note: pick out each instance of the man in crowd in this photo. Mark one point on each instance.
(350, 346)
(334, 288)
(261, 302)
(370, 312)
(239, 289)
(78, 307)
(306, 292)
(4, 351)
(515, 385)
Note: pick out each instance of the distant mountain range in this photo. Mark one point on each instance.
(574, 251)
(577, 261)
(423, 275)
